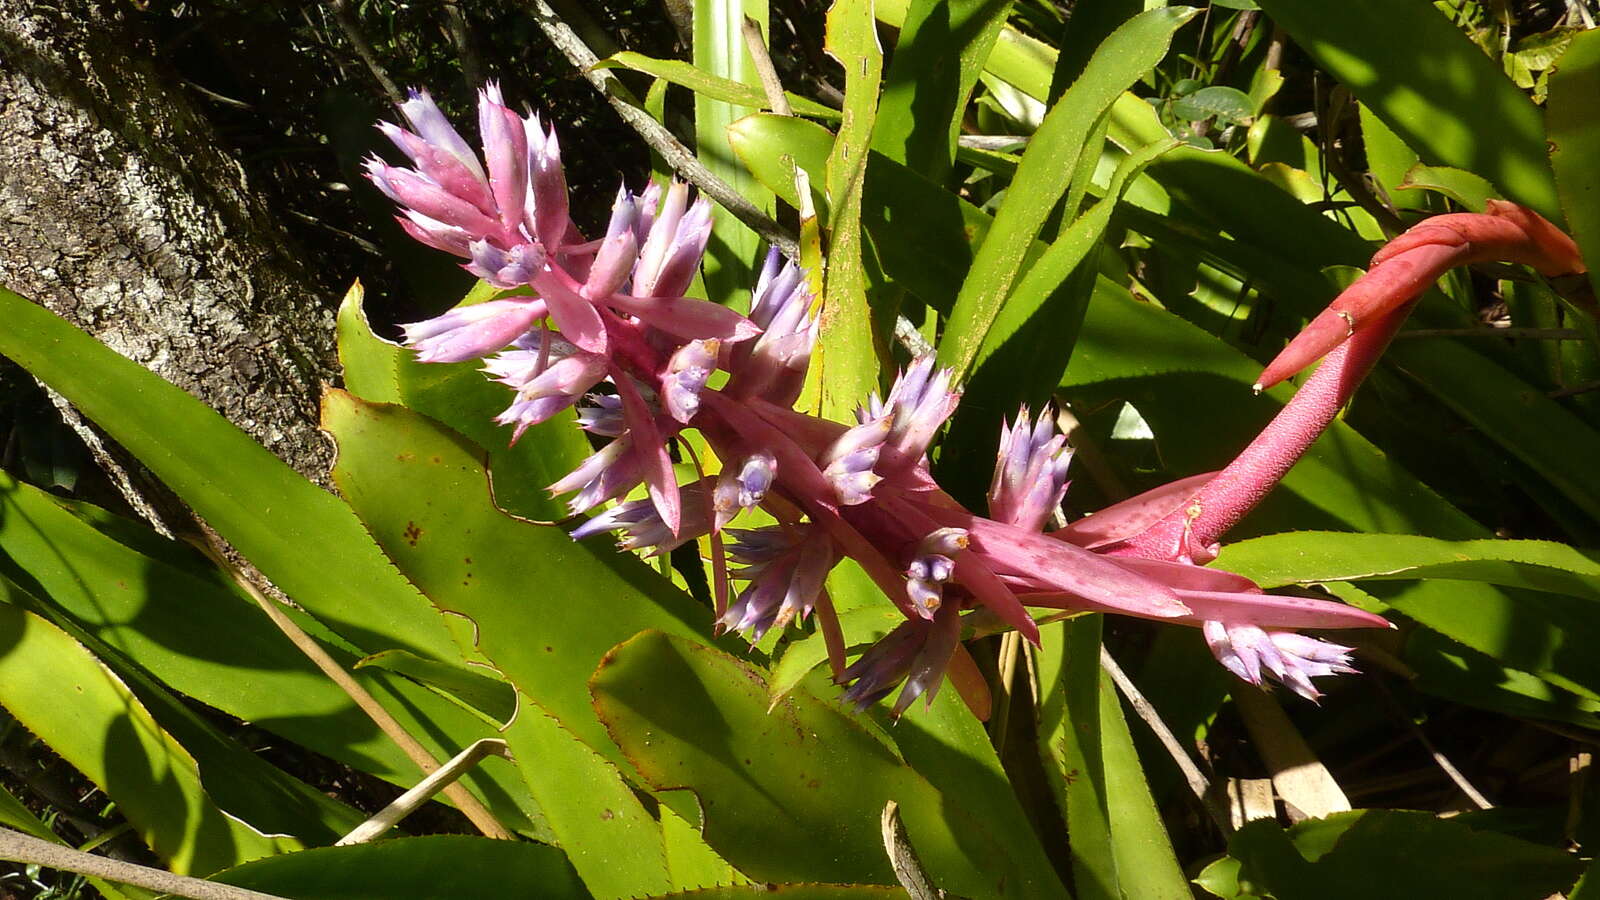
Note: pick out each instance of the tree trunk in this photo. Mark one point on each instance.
(121, 211)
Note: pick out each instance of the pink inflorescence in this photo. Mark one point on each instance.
(605, 319)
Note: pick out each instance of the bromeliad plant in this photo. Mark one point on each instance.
(854, 456)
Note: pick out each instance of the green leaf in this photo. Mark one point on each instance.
(437, 867)
(719, 49)
(1119, 846)
(458, 395)
(861, 626)
(941, 50)
(1575, 143)
(368, 361)
(545, 608)
(1539, 622)
(1518, 416)
(1466, 188)
(1452, 104)
(844, 364)
(1313, 556)
(176, 617)
(1588, 887)
(83, 712)
(495, 699)
(791, 795)
(736, 93)
(1445, 668)
(301, 537)
(1388, 853)
(1229, 106)
(615, 845)
(1044, 173)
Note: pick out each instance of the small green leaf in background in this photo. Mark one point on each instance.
(438, 867)
(1229, 106)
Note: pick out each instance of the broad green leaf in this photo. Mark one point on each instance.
(545, 608)
(1044, 173)
(1386, 853)
(1119, 845)
(1451, 104)
(947, 745)
(690, 860)
(845, 363)
(83, 712)
(794, 794)
(1575, 143)
(437, 867)
(615, 845)
(719, 49)
(301, 537)
(170, 612)
(941, 50)
(367, 361)
(736, 93)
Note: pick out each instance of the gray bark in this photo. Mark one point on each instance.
(121, 211)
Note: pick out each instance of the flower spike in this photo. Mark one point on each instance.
(613, 309)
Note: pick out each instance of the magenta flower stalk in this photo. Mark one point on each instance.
(601, 324)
